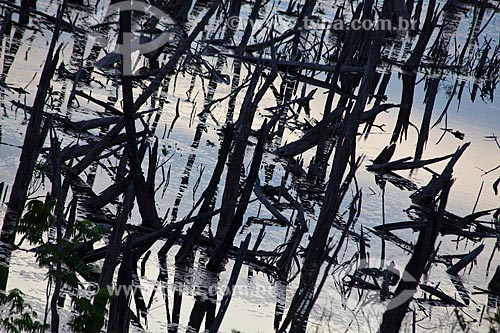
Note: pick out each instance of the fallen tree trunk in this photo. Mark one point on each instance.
(311, 137)
(403, 165)
(453, 270)
(36, 132)
(224, 304)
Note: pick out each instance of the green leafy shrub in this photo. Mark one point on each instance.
(17, 316)
(61, 257)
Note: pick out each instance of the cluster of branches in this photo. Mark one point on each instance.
(352, 77)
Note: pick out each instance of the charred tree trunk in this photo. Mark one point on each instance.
(345, 149)
(144, 189)
(223, 247)
(426, 120)
(300, 29)
(317, 169)
(235, 7)
(24, 14)
(179, 9)
(230, 286)
(36, 131)
(119, 311)
(242, 132)
(398, 306)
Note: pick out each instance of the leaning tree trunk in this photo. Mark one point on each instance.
(36, 131)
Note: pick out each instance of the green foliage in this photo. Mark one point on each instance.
(85, 230)
(49, 254)
(17, 316)
(61, 258)
(89, 318)
(37, 220)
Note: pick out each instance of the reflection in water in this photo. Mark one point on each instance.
(200, 128)
(182, 281)
(10, 52)
(451, 66)
(205, 295)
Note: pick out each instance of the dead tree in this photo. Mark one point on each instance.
(409, 76)
(119, 311)
(230, 286)
(335, 192)
(428, 196)
(169, 67)
(144, 187)
(113, 252)
(24, 14)
(300, 30)
(398, 306)
(242, 132)
(179, 9)
(197, 228)
(36, 132)
(223, 247)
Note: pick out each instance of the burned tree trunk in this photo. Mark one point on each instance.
(398, 306)
(24, 14)
(119, 311)
(242, 132)
(335, 192)
(145, 189)
(196, 230)
(36, 132)
(318, 166)
(426, 120)
(300, 29)
(409, 77)
(234, 8)
(222, 248)
(179, 9)
(230, 286)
